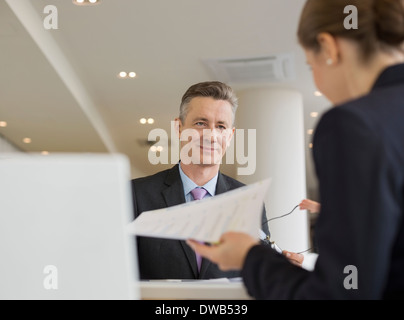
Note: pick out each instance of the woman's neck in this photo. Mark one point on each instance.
(361, 78)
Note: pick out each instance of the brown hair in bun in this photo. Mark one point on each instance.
(389, 21)
(380, 24)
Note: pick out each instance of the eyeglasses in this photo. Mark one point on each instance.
(268, 241)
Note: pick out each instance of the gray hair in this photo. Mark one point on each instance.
(212, 89)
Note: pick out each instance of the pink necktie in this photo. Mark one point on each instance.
(198, 194)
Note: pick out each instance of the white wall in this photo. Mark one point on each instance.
(277, 116)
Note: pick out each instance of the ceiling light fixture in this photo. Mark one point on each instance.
(310, 131)
(127, 75)
(86, 2)
(144, 120)
(3, 124)
(318, 93)
(314, 114)
(156, 148)
(27, 140)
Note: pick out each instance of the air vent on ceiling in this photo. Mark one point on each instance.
(274, 68)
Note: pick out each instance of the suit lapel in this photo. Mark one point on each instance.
(221, 185)
(174, 195)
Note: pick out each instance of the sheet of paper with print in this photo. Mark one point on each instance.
(206, 220)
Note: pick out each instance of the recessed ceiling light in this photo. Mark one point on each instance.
(156, 148)
(311, 146)
(44, 153)
(144, 120)
(314, 114)
(126, 75)
(123, 74)
(86, 2)
(318, 93)
(27, 140)
(3, 124)
(310, 131)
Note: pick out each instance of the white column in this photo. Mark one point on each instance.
(277, 116)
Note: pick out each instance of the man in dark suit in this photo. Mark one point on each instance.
(206, 119)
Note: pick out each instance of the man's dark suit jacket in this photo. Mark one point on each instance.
(173, 259)
(359, 156)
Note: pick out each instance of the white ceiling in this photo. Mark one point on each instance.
(60, 87)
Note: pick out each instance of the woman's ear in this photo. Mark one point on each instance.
(329, 48)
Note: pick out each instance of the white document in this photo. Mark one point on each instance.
(207, 219)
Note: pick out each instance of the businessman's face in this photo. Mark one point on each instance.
(206, 131)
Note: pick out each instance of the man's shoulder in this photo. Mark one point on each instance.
(156, 178)
(231, 182)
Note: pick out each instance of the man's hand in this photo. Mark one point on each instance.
(310, 205)
(229, 253)
(295, 258)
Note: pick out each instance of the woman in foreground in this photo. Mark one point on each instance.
(358, 150)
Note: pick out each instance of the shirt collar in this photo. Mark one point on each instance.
(189, 185)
